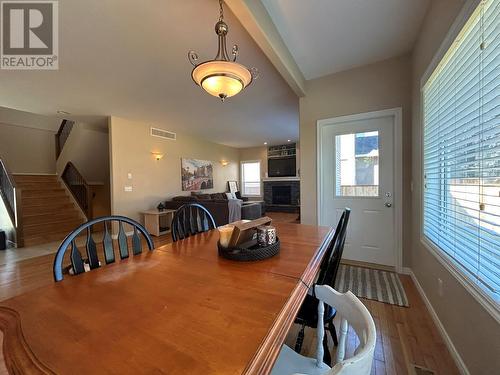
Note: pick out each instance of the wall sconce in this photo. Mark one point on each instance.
(224, 163)
(157, 156)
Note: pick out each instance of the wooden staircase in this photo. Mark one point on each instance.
(48, 213)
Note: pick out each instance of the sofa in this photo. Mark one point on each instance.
(223, 210)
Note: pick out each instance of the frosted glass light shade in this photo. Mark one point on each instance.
(222, 78)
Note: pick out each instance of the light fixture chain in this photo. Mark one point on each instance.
(221, 11)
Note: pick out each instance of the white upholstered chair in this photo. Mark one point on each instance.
(352, 312)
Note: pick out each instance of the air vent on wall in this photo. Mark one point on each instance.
(165, 134)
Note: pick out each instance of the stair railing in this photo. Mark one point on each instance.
(62, 135)
(79, 188)
(11, 196)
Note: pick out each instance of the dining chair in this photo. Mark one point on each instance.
(191, 219)
(80, 265)
(353, 313)
(307, 315)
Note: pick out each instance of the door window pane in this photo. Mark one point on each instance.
(357, 168)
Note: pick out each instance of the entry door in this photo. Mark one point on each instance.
(356, 167)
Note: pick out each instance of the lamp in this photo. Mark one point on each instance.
(157, 155)
(224, 163)
(222, 77)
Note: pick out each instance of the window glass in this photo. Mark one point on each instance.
(250, 175)
(357, 165)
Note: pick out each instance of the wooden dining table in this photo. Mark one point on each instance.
(179, 309)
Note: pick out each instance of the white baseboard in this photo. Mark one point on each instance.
(447, 340)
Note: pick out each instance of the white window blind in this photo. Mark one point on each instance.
(250, 177)
(461, 112)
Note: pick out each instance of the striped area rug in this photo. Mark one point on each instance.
(383, 286)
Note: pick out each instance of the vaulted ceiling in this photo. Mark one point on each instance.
(329, 36)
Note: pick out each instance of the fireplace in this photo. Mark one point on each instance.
(282, 195)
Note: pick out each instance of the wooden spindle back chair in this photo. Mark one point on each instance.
(78, 263)
(191, 219)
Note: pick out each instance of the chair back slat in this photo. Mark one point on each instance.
(122, 241)
(329, 251)
(331, 269)
(78, 263)
(91, 251)
(107, 243)
(352, 312)
(136, 243)
(204, 221)
(191, 219)
(76, 259)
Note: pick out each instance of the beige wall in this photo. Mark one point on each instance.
(374, 87)
(87, 148)
(155, 181)
(475, 334)
(27, 150)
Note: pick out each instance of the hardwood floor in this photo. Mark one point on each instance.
(405, 336)
(283, 217)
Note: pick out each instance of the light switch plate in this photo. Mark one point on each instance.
(128, 188)
(129, 176)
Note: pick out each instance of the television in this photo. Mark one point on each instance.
(281, 167)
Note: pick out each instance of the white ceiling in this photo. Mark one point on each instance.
(329, 36)
(129, 59)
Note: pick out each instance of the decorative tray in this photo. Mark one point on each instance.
(250, 253)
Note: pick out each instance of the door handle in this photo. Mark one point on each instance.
(388, 204)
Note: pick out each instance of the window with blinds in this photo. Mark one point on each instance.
(461, 113)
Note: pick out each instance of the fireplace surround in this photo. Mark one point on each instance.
(282, 196)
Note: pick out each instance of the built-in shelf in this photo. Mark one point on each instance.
(282, 151)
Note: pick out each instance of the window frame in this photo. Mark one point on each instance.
(242, 174)
(460, 273)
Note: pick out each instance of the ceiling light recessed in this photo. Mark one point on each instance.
(265, 143)
(289, 140)
(223, 76)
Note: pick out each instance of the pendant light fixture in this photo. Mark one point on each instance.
(223, 76)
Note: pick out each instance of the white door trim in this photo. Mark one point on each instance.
(397, 113)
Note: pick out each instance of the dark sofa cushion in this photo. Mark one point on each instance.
(218, 196)
(203, 197)
(184, 198)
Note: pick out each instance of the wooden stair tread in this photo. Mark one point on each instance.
(61, 222)
(40, 194)
(47, 203)
(47, 230)
(46, 238)
(48, 212)
(35, 178)
(39, 217)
